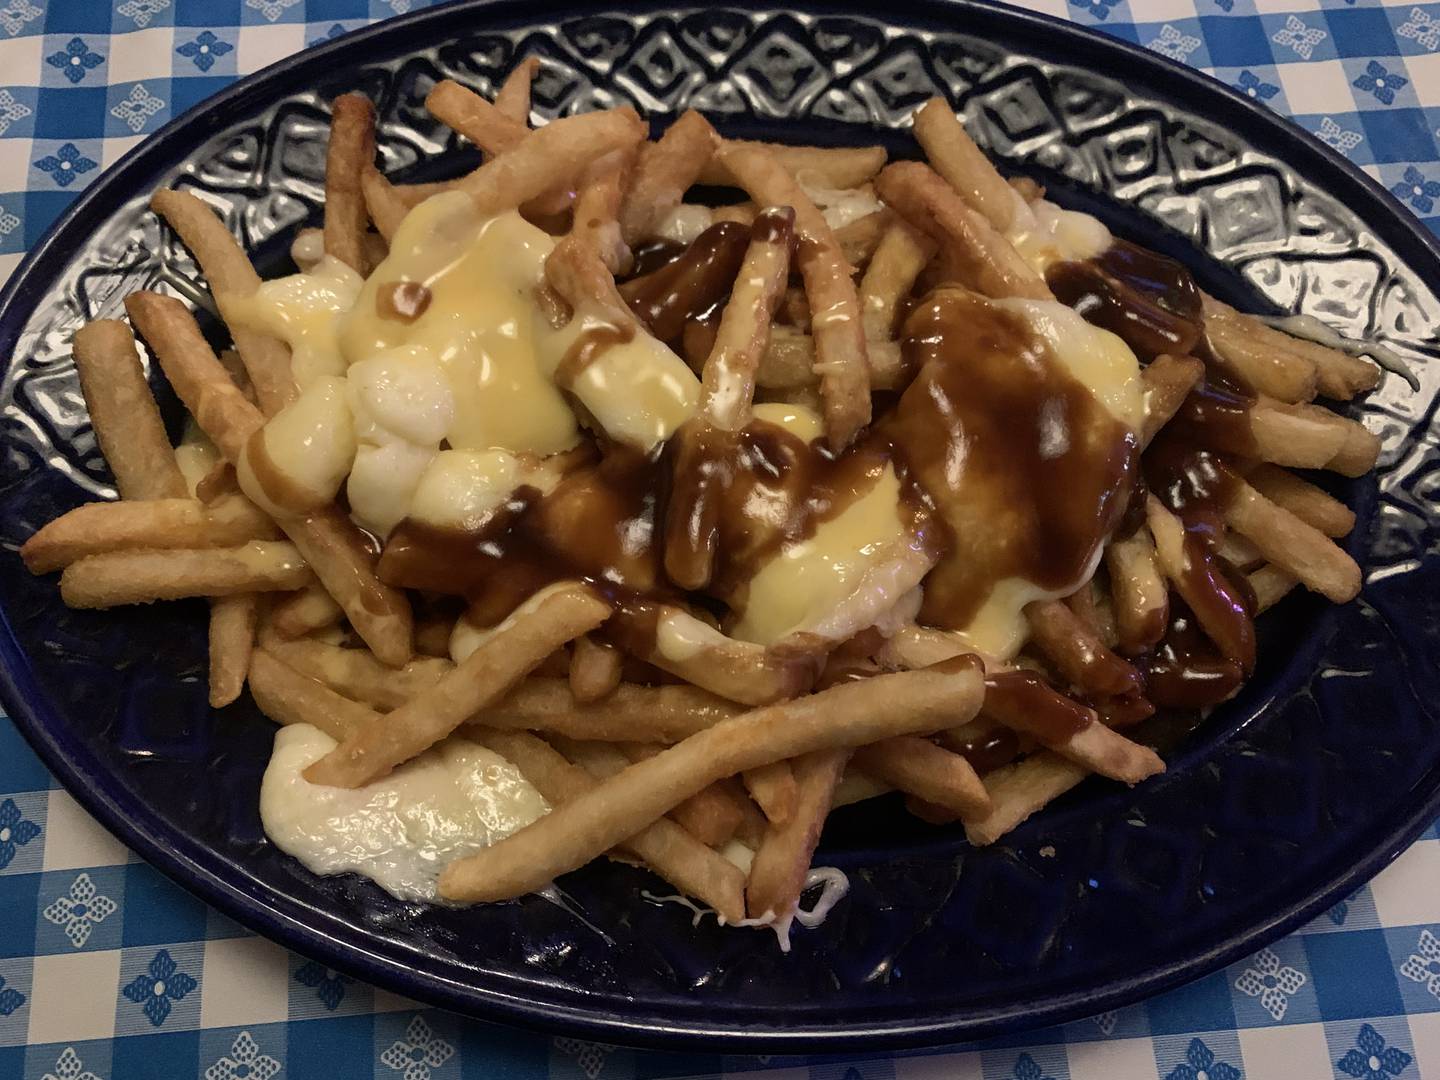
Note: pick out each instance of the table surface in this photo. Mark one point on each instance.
(110, 972)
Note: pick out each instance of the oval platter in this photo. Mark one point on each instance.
(1285, 800)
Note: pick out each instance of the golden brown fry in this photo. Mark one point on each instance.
(1077, 653)
(664, 846)
(1017, 791)
(539, 626)
(231, 277)
(1235, 638)
(358, 675)
(789, 362)
(1292, 545)
(96, 528)
(327, 539)
(141, 577)
(350, 153)
(1303, 499)
(917, 766)
(304, 613)
(489, 127)
(836, 168)
(741, 213)
(711, 816)
(513, 97)
(432, 635)
(1338, 375)
(1140, 598)
(631, 714)
(954, 155)
(384, 202)
(595, 669)
(859, 239)
(123, 413)
(1271, 584)
(1257, 356)
(597, 205)
(841, 360)
(772, 786)
(1168, 380)
(782, 862)
(288, 697)
(901, 255)
(847, 715)
(982, 257)
(665, 170)
(232, 637)
(856, 787)
(1304, 436)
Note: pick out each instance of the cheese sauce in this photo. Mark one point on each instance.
(451, 801)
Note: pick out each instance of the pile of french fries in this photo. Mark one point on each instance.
(737, 742)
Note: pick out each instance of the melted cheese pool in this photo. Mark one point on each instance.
(452, 800)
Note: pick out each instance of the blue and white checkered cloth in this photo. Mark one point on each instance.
(109, 972)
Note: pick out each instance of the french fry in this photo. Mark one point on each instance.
(123, 413)
(663, 845)
(919, 767)
(305, 612)
(539, 626)
(595, 669)
(232, 638)
(142, 577)
(1338, 375)
(632, 713)
(857, 787)
(742, 213)
(597, 205)
(1257, 356)
(847, 715)
(789, 362)
(1019, 790)
(1303, 499)
(773, 788)
(384, 202)
(489, 127)
(351, 151)
(954, 155)
(1023, 702)
(1292, 545)
(432, 635)
(288, 697)
(711, 816)
(901, 255)
(96, 528)
(1271, 584)
(665, 170)
(983, 258)
(513, 97)
(1238, 551)
(327, 539)
(356, 673)
(1234, 637)
(841, 360)
(782, 862)
(1310, 437)
(836, 168)
(859, 239)
(1140, 598)
(1077, 653)
(231, 276)
(1167, 382)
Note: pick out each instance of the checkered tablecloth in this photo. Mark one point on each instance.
(109, 972)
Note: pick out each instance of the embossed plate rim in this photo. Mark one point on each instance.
(347, 949)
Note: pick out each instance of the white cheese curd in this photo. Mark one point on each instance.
(196, 455)
(1044, 233)
(303, 310)
(451, 801)
(685, 223)
(839, 206)
(310, 442)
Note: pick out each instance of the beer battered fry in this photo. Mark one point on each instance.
(782, 862)
(513, 97)
(123, 413)
(595, 669)
(1017, 791)
(901, 255)
(305, 612)
(327, 539)
(358, 675)
(489, 127)
(1292, 545)
(384, 202)
(96, 528)
(231, 276)
(232, 637)
(665, 170)
(843, 716)
(1303, 499)
(1310, 437)
(1257, 356)
(711, 816)
(983, 258)
(288, 697)
(954, 155)
(918, 767)
(597, 205)
(665, 714)
(772, 786)
(350, 153)
(663, 845)
(836, 168)
(1140, 598)
(539, 626)
(840, 356)
(1077, 653)
(141, 577)
(1271, 584)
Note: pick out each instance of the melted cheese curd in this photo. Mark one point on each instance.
(428, 392)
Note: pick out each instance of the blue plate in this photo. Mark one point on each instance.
(1285, 800)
